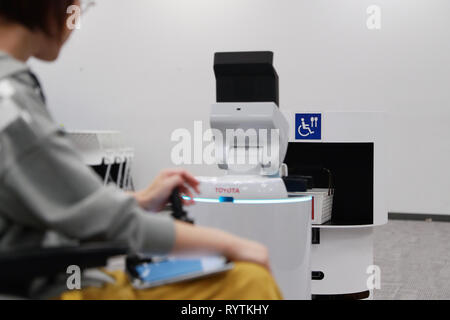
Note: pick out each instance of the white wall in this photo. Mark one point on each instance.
(145, 67)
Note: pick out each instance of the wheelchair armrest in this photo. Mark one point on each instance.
(25, 265)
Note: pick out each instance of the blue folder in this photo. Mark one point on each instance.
(171, 270)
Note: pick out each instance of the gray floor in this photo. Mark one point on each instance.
(414, 258)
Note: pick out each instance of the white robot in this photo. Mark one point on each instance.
(251, 139)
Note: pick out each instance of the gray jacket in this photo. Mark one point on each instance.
(47, 194)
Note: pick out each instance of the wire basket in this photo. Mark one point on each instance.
(322, 203)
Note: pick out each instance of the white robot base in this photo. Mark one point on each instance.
(283, 225)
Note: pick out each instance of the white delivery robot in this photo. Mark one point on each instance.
(251, 138)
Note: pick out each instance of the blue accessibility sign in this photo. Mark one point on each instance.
(308, 126)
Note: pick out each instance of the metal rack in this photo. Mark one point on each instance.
(107, 154)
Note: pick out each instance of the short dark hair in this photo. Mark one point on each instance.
(36, 15)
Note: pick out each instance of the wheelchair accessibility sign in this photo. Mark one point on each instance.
(308, 126)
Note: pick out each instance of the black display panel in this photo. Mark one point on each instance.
(246, 77)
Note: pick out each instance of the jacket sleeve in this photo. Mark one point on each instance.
(60, 193)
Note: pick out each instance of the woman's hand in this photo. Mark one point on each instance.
(155, 197)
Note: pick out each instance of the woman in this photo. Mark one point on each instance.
(47, 195)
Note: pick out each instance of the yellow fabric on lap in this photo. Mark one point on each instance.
(246, 281)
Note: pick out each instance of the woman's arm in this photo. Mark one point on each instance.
(191, 238)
